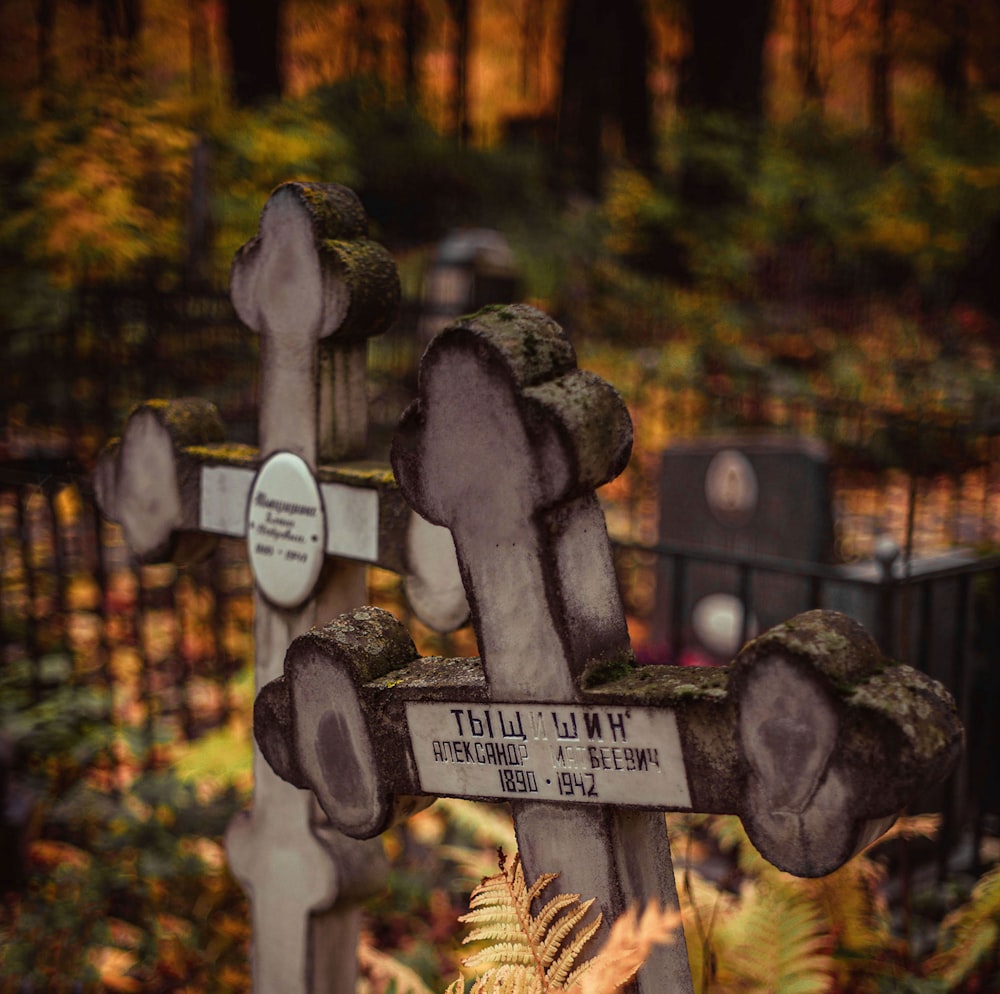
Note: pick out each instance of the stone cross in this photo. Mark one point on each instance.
(813, 738)
(315, 288)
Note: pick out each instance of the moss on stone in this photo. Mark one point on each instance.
(360, 474)
(369, 639)
(598, 672)
(595, 421)
(334, 210)
(828, 641)
(372, 282)
(225, 454)
(528, 342)
(669, 686)
(188, 420)
(436, 673)
(920, 707)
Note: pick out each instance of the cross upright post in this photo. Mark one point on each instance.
(809, 735)
(314, 287)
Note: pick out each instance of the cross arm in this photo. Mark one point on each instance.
(822, 739)
(811, 736)
(149, 478)
(175, 485)
(334, 722)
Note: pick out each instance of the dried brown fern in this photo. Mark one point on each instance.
(525, 953)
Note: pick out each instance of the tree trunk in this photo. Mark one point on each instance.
(806, 52)
(254, 31)
(723, 71)
(722, 92)
(951, 65)
(120, 22)
(45, 16)
(604, 91)
(881, 78)
(414, 25)
(634, 110)
(461, 14)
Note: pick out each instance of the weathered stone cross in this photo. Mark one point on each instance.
(813, 738)
(315, 288)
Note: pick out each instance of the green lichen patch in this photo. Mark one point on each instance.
(918, 706)
(601, 671)
(827, 641)
(435, 673)
(372, 281)
(668, 686)
(592, 416)
(529, 343)
(371, 641)
(358, 474)
(188, 420)
(225, 454)
(334, 210)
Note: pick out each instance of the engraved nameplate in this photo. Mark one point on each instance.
(551, 752)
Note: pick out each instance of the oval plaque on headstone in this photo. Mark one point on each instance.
(286, 530)
(731, 488)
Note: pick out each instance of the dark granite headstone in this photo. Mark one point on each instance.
(745, 494)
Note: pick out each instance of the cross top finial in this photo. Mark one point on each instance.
(505, 446)
(505, 416)
(311, 270)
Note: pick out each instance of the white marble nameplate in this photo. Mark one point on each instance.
(352, 521)
(550, 752)
(286, 530)
(225, 491)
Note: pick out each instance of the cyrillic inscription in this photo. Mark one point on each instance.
(606, 755)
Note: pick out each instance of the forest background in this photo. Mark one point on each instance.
(794, 188)
(802, 196)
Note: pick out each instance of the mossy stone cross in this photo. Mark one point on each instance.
(315, 288)
(814, 739)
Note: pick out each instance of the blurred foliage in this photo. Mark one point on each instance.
(760, 930)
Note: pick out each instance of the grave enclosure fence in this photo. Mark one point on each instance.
(71, 601)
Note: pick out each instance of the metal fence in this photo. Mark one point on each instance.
(941, 616)
(164, 645)
(161, 645)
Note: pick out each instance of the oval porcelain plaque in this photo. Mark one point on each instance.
(731, 488)
(286, 530)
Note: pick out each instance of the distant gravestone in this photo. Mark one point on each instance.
(811, 736)
(315, 288)
(745, 494)
(471, 268)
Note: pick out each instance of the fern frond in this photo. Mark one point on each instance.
(551, 939)
(532, 892)
(542, 947)
(560, 959)
(909, 827)
(501, 953)
(776, 941)
(539, 954)
(507, 980)
(631, 940)
(969, 934)
(565, 968)
(543, 920)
